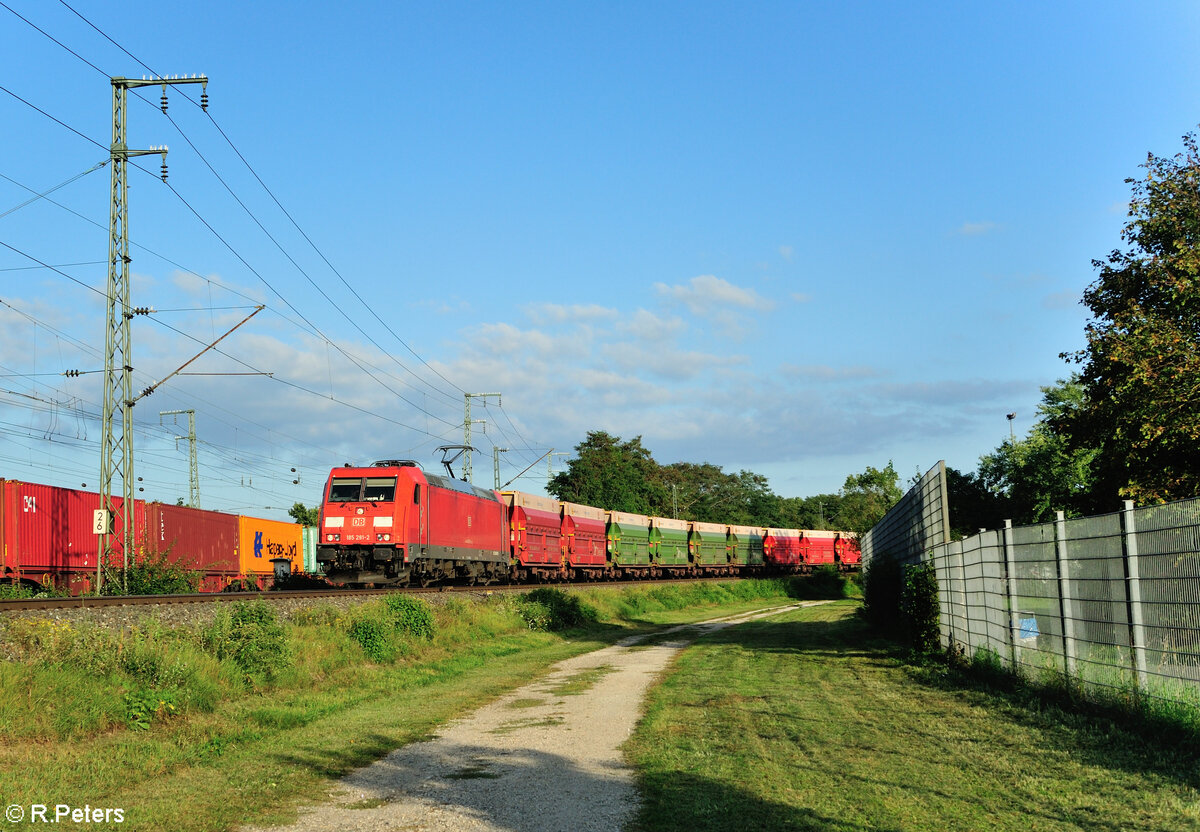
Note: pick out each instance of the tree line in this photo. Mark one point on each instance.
(622, 475)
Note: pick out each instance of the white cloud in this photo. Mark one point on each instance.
(554, 313)
(650, 327)
(708, 295)
(801, 297)
(786, 252)
(718, 300)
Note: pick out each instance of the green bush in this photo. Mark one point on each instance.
(375, 639)
(411, 616)
(564, 609)
(919, 608)
(153, 574)
(249, 634)
(535, 614)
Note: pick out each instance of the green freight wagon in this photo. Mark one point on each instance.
(746, 547)
(629, 544)
(669, 544)
(709, 544)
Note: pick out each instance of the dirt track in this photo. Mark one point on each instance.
(543, 758)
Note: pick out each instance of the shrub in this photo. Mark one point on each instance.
(152, 574)
(535, 614)
(374, 638)
(919, 608)
(411, 616)
(251, 636)
(553, 609)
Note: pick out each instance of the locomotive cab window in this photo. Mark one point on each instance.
(380, 489)
(345, 490)
(417, 495)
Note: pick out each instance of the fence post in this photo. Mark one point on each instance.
(1010, 582)
(1066, 611)
(1133, 593)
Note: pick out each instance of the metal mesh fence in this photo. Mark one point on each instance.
(1111, 601)
(913, 525)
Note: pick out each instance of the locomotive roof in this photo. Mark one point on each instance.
(459, 486)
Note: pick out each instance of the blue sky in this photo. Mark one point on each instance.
(797, 238)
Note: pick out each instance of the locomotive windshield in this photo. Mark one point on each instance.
(380, 489)
(345, 490)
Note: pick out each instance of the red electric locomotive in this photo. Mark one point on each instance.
(392, 523)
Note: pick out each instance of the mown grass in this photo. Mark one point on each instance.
(805, 721)
(245, 719)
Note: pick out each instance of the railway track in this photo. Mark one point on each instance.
(92, 601)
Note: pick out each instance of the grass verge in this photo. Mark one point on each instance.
(806, 722)
(245, 719)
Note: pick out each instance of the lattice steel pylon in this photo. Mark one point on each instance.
(193, 460)
(116, 447)
(468, 474)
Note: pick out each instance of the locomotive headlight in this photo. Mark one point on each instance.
(358, 510)
(387, 537)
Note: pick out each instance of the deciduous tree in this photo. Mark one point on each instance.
(866, 497)
(608, 473)
(1141, 367)
(1049, 470)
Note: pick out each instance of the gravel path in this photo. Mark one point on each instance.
(543, 758)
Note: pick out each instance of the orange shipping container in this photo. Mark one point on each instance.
(261, 540)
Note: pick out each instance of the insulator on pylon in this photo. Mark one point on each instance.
(71, 374)
(204, 101)
(164, 171)
(163, 101)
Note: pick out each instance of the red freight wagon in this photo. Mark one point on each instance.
(847, 551)
(817, 547)
(535, 532)
(781, 549)
(205, 541)
(391, 523)
(49, 534)
(584, 535)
